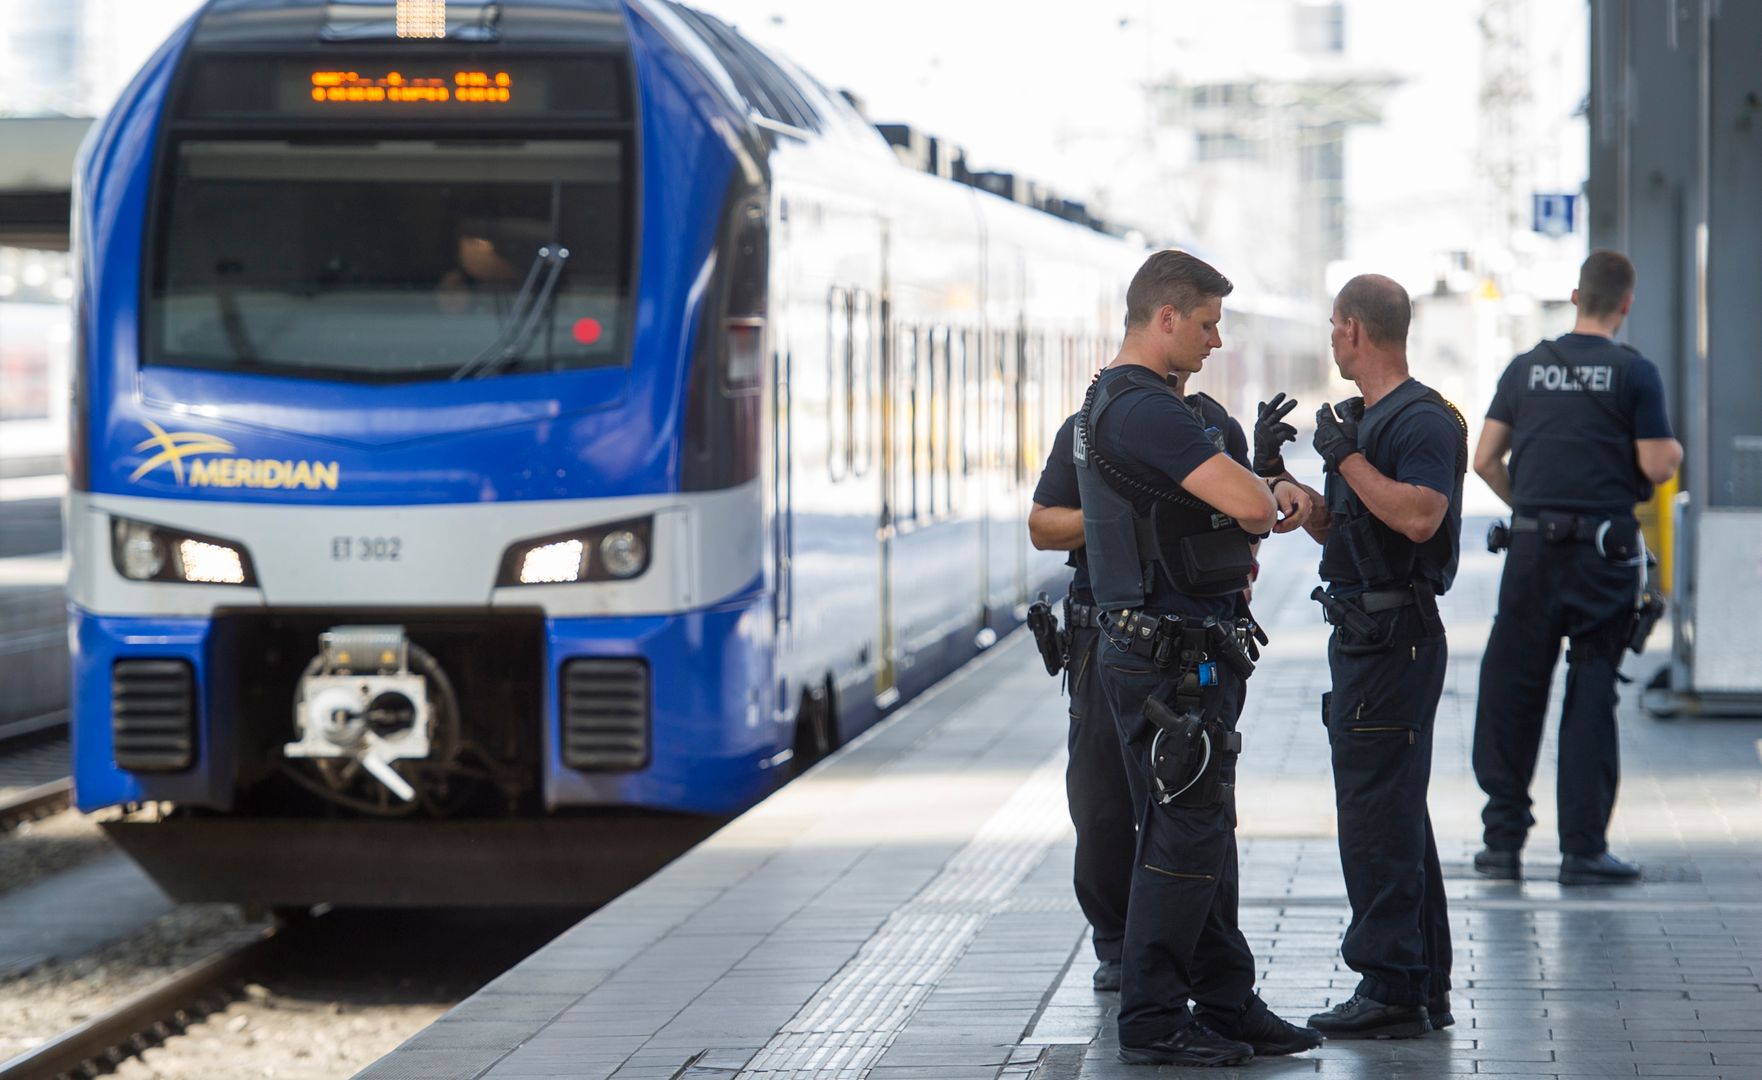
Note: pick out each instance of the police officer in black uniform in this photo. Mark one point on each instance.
(1096, 787)
(1167, 523)
(1583, 419)
(1395, 460)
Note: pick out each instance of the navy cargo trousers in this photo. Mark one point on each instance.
(1100, 799)
(1182, 943)
(1549, 592)
(1380, 715)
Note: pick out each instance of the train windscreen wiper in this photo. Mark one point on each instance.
(523, 317)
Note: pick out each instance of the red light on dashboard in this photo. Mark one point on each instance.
(587, 331)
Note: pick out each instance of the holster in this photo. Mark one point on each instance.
(1647, 613)
(1209, 788)
(1181, 750)
(1053, 643)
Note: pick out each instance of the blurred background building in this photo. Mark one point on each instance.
(61, 64)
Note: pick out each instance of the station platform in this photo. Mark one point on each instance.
(905, 910)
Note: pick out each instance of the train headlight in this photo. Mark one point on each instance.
(623, 553)
(213, 564)
(138, 554)
(549, 564)
(616, 551)
(144, 552)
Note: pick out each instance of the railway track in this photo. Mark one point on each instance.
(34, 758)
(150, 1017)
(35, 802)
(271, 998)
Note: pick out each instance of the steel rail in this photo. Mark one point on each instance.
(148, 1018)
(36, 802)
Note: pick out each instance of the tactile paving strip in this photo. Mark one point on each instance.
(845, 1028)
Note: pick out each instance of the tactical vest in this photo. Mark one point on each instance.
(1572, 448)
(1201, 551)
(1362, 551)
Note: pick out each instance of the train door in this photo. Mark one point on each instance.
(886, 669)
(984, 344)
(782, 457)
(782, 463)
(1016, 396)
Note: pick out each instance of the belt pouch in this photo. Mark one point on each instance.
(1365, 547)
(1557, 527)
(1220, 559)
(1620, 542)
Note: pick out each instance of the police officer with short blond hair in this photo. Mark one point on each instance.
(1096, 788)
(1582, 419)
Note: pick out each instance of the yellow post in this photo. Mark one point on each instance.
(1655, 522)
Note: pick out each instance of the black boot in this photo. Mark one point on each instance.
(1499, 864)
(1359, 1017)
(1106, 979)
(1261, 1028)
(1604, 869)
(1438, 1012)
(1195, 1044)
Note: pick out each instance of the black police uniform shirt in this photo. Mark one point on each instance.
(1154, 438)
(1417, 446)
(1058, 486)
(1567, 452)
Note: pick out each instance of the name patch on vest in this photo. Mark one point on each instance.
(1559, 377)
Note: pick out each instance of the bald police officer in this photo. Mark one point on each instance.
(1167, 520)
(1583, 421)
(1394, 460)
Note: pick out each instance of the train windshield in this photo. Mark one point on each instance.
(393, 260)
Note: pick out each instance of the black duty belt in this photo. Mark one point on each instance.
(1561, 527)
(1385, 599)
(1353, 612)
(1080, 616)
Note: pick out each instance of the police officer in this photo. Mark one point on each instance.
(1394, 461)
(1096, 788)
(1583, 420)
(1164, 520)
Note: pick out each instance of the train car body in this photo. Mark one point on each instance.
(504, 444)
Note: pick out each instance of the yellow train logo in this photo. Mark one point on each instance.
(219, 467)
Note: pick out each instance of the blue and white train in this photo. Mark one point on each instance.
(497, 423)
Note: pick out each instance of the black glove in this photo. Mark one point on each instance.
(1270, 433)
(1336, 439)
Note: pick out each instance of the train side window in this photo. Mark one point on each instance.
(994, 405)
(936, 409)
(923, 409)
(905, 440)
(953, 392)
(1019, 408)
(968, 366)
(1068, 377)
(862, 376)
(837, 384)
